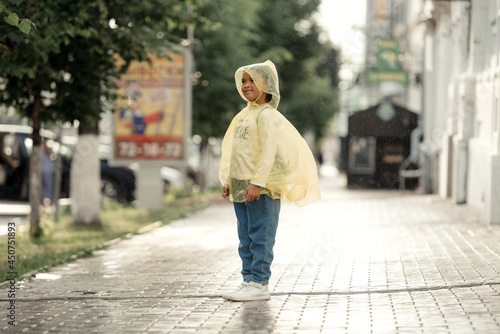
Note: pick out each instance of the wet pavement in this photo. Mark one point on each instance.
(359, 261)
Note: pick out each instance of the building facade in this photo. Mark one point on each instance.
(461, 94)
(450, 51)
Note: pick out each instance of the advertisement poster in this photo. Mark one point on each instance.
(150, 112)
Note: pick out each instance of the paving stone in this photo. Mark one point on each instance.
(359, 261)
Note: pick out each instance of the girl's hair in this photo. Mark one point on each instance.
(269, 97)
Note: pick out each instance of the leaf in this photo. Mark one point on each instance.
(12, 19)
(25, 26)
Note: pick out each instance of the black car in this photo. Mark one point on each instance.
(117, 183)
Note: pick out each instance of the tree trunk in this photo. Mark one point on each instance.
(85, 180)
(35, 172)
(201, 172)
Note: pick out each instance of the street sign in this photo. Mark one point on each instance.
(388, 65)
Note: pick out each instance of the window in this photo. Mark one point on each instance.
(362, 151)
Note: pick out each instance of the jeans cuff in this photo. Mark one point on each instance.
(266, 282)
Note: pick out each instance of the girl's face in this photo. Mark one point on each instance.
(250, 90)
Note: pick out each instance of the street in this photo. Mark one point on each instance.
(358, 261)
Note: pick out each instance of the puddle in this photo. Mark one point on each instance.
(47, 276)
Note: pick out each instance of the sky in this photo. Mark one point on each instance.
(338, 18)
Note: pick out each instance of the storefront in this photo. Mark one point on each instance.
(378, 143)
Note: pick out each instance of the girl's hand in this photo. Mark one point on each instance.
(252, 193)
(225, 192)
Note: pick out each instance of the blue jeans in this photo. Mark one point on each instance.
(257, 225)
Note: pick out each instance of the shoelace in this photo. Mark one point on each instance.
(242, 286)
(248, 286)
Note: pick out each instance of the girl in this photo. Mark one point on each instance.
(264, 159)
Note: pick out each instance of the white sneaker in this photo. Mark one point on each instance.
(249, 292)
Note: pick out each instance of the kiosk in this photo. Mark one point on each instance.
(378, 142)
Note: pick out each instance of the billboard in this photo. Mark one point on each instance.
(152, 111)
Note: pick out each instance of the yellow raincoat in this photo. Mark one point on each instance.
(262, 147)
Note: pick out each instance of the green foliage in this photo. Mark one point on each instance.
(219, 50)
(177, 196)
(24, 25)
(283, 31)
(71, 55)
(65, 70)
(308, 81)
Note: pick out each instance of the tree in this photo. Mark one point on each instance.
(65, 70)
(309, 76)
(218, 51)
(283, 31)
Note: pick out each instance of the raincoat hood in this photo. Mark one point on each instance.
(265, 77)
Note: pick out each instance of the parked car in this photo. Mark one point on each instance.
(117, 183)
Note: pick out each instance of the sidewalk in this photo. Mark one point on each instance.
(359, 261)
